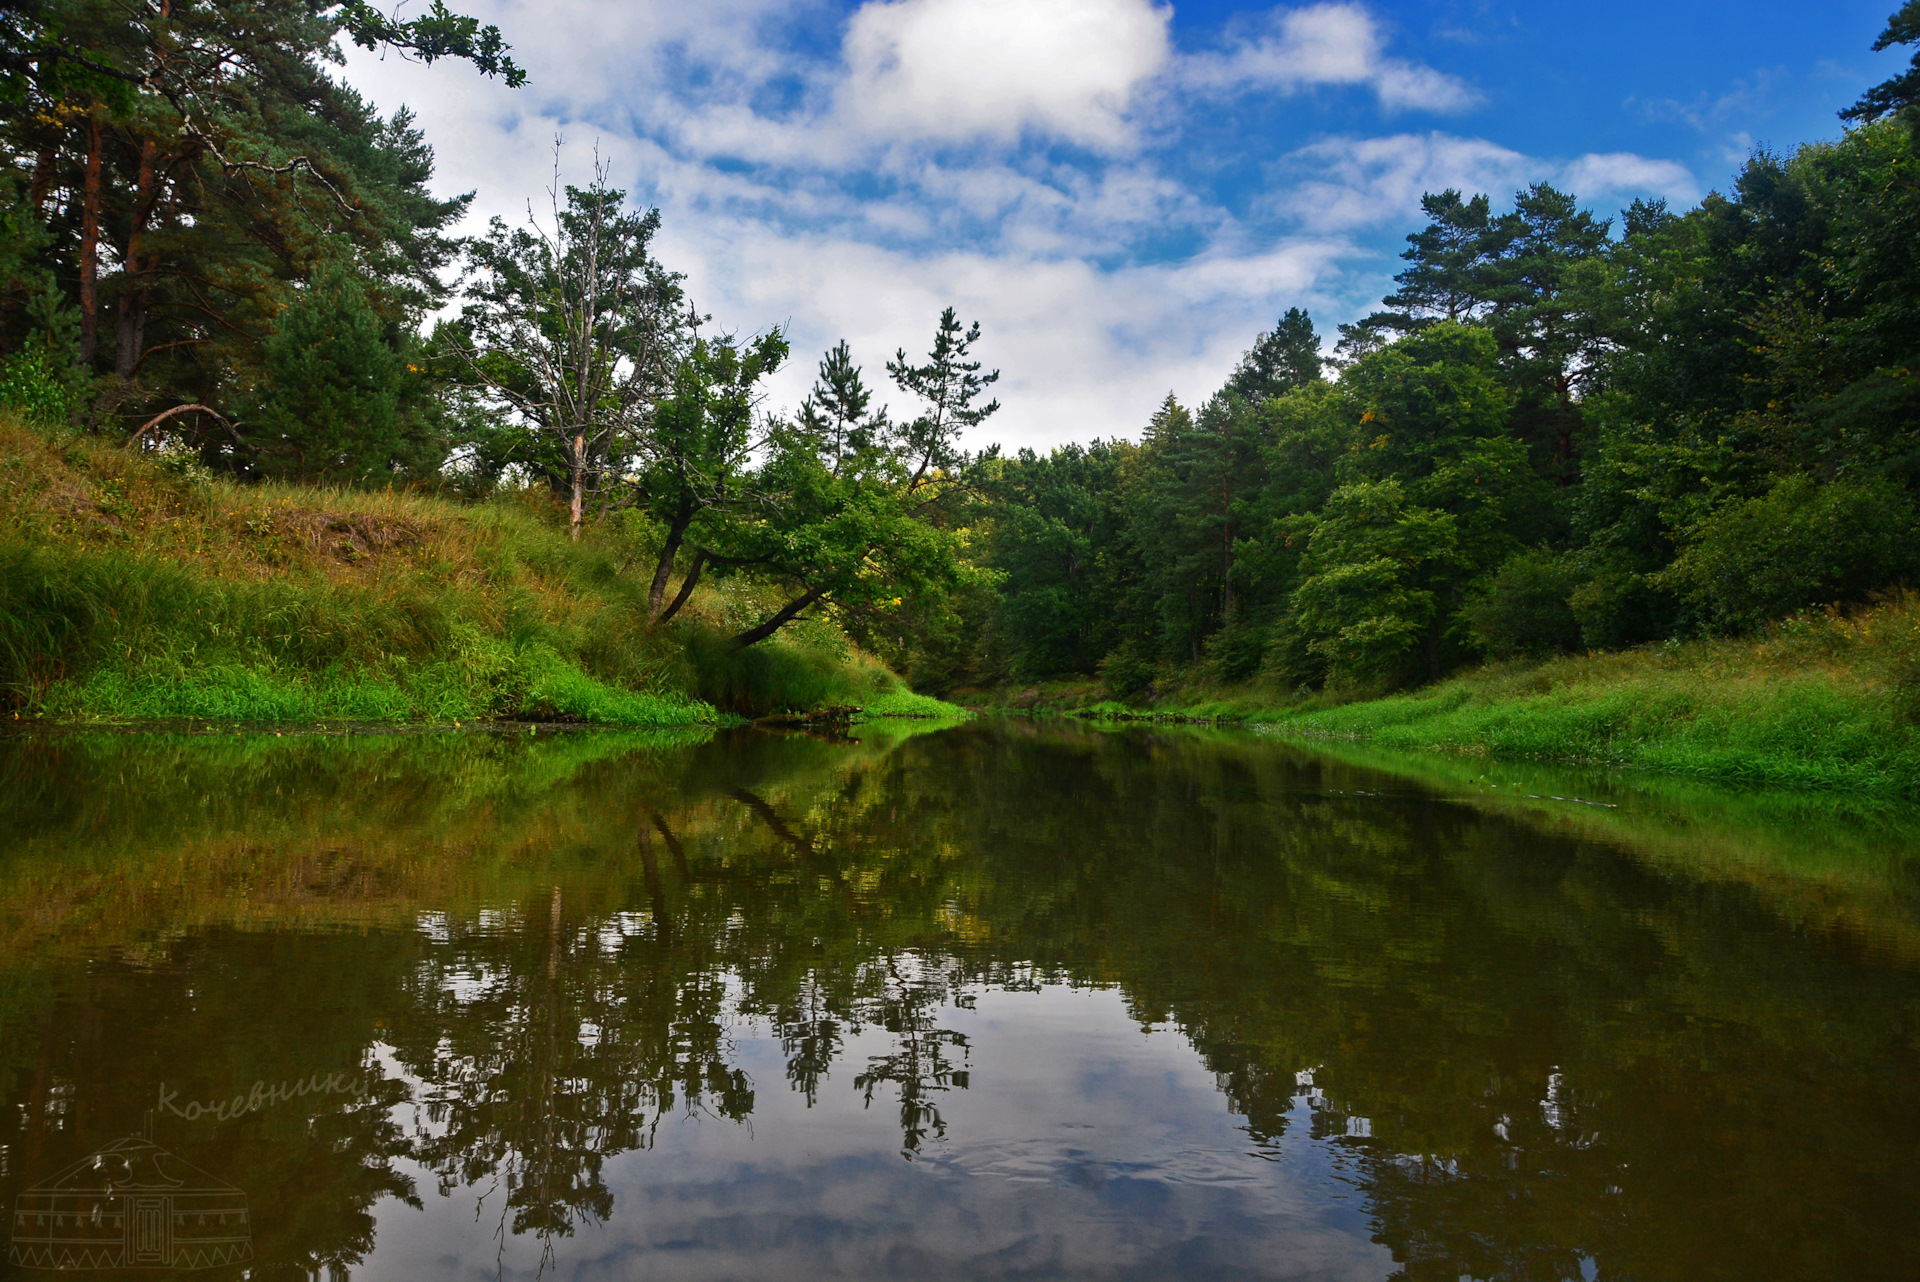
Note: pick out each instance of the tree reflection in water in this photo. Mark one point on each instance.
(1535, 1048)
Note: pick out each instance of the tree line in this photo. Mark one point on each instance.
(1558, 432)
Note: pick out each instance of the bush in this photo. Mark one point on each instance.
(1618, 609)
(34, 382)
(1125, 672)
(1525, 607)
(1799, 545)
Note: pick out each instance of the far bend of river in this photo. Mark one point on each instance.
(995, 1000)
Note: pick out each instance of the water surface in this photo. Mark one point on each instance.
(996, 1000)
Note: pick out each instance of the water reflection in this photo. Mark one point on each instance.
(985, 1001)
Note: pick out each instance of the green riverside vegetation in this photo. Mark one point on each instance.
(1642, 491)
(132, 589)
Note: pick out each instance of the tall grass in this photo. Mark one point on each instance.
(131, 588)
(1820, 701)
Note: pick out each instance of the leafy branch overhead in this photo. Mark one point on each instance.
(439, 34)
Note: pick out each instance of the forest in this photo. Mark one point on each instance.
(1560, 432)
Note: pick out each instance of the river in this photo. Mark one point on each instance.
(1003, 999)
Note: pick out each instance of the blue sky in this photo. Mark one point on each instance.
(1122, 192)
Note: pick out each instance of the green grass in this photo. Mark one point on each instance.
(1816, 702)
(1804, 732)
(905, 703)
(130, 589)
(1822, 701)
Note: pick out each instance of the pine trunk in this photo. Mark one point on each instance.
(90, 247)
(131, 321)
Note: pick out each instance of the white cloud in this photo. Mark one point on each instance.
(1347, 184)
(956, 69)
(1328, 44)
(1083, 352)
(1351, 183)
(1623, 173)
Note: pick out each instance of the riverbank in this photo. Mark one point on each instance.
(1823, 701)
(135, 588)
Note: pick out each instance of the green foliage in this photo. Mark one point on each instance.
(1367, 603)
(190, 165)
(1525, 607)
(1286, 357)
(1439, 495)
(1056, 516)
(572, 333)
(865, 517)
(762, 680)
(34, 382)
(1799, 545)
(1558, 431)
(330, 406)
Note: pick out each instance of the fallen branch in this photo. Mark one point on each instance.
(162, 417)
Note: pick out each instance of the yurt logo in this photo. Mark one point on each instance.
(131, 1205)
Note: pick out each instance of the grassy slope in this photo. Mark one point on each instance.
(1821, 702)
(129, 591)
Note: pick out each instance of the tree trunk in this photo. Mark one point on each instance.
(1226, 575)
(788, 613)
(90, 246)
(686, 585)
(42, 181)
(131, 321)
(663, 569)
(577, 516)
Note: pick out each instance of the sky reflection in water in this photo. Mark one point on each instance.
(996, 1000)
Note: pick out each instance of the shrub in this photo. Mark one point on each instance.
(33, 382)
(1617, 609)
(1125, 672)
(1799, 545)
(1525, 607)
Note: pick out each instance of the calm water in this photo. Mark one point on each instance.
(982, 1002)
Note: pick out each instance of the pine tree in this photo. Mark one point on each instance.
(330, 407)
(1286, 357)
(1898, 96)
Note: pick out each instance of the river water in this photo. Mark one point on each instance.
(996, 1000)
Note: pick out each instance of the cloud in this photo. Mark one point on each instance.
(1327, 44)
(1348, 184)
(1084, 351)
(1353, 183)
(1748, 99)
(1623, 173)
(958, 69)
